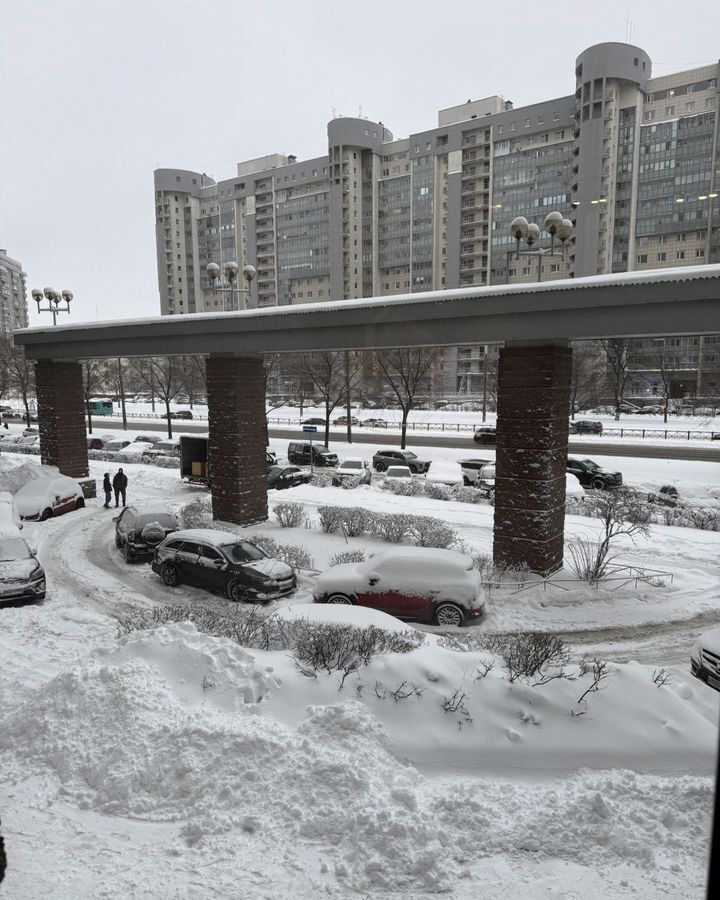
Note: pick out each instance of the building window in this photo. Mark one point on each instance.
(661, 257)
(642, 258)
(527, 123)
(700, 253)
(680, 254)
(669, 110)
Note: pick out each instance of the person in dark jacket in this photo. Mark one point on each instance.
(107, 487)
(119, 484)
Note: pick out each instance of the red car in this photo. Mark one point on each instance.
(43, 498)
(421, 583)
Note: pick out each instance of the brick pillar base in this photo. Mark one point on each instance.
(236, 450)
(61, 417)
(532, 446)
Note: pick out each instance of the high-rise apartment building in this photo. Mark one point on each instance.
(632, 160)
(13, 300)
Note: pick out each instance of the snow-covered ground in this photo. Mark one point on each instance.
(173, 764)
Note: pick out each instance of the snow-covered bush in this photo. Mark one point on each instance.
(320, 479)
(528, 655)
(356, 520)
(464, 494)
(438, 491)
(428, 531)
(390, 527)
(330, 518)
(290, 515)
(408, 487)
(483, 563)
(292, 554)
(197, 513)
(348, 556)
(703, 518)
(347, 484)
(344, 648)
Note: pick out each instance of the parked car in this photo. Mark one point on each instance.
(470, 469)
(95, 443)
(28, 440)
(138, 530)
(628, 408)
(374, 423)
(385, 458)
(485, 435)
(667, 495)
(421, 583)
(116, 446)
(485, 480)
(397, 473)
(147, 439)
(572, 427)
(301, 454)
(314, 422)
(705, 658)
(445, 471)
(352, 467)
(587, 426)
(43, 498)
(280, 477)
(591, 475)
(270, 457)
(163, 448)
(650, 410)
(715, 436)
(343, 420)
(22, 578)
(9, 516)
(180, 414)
(222, 561)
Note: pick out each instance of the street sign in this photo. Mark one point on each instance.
(309, 429)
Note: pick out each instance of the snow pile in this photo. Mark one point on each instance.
(231, 745)
(13, 477)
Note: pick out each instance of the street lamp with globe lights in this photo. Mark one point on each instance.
(555, 225)
(54, 299)
(231, 271)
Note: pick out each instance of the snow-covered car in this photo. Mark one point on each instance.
(573, 488)
(9, 517)
(138, 530)
(374, 423)
(419, 583)
(21, 575)
(222, 561)
(485, 480)
(471, 467)
(163, 448)
(705, 658)
(352, 467)
(8, 439)
(147, 439)
(115, 446)
(44, 498)
(395, 474)
(445, 471)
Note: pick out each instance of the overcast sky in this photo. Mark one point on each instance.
(95, 95)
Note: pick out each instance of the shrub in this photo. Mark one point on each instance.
(197, 513)
(292, 554)
(703, 518)
(431, 532)
(344, 648)
(348, 484)
(355, 520)
(290, 515)
(320, 479)
(348, 556)
(483, 563)
(390, 527)
(438, 491)
(410, 487)
(330, 518)
(528, 655)
(464, 494)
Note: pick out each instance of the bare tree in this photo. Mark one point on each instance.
(405, 371)
(165, 377)
(331, 378)
(302, 387)
(616, 356)
(20, 373)
(586, 375)
(92, 377)
(667, 367)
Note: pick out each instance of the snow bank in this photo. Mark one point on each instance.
(175, 726)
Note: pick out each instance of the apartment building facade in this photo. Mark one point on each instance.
(632, 160)
(13, 297)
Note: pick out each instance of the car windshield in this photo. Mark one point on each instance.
(352, 464)
(274, 470)
(399, 472)
(407, 454)
(589, 464)
(322, 450)
(13, 548)
(243, 552)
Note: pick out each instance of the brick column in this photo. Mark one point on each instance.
(236, 449)
(532, 448)
(61, 417)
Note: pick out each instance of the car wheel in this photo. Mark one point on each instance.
(79, 503)
(597, 483)
(129, 555)
(118, 542)
(237, 592)
(448, 614)
(466, 481)
(169, 575)
(380, 467)
(340, 600)
(46, 514)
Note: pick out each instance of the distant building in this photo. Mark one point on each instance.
(632, 160)
(13, 300)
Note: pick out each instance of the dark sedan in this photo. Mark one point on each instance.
(591, 475)
(485, 435)
(279, 477)
(313, 422)
(385, 458)
(586, 426)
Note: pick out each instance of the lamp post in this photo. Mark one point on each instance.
(555, 225)
(231, 274)
(53, 298)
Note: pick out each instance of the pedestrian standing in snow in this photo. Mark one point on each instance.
(119, 484)
(107, 487)
(5, 426)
